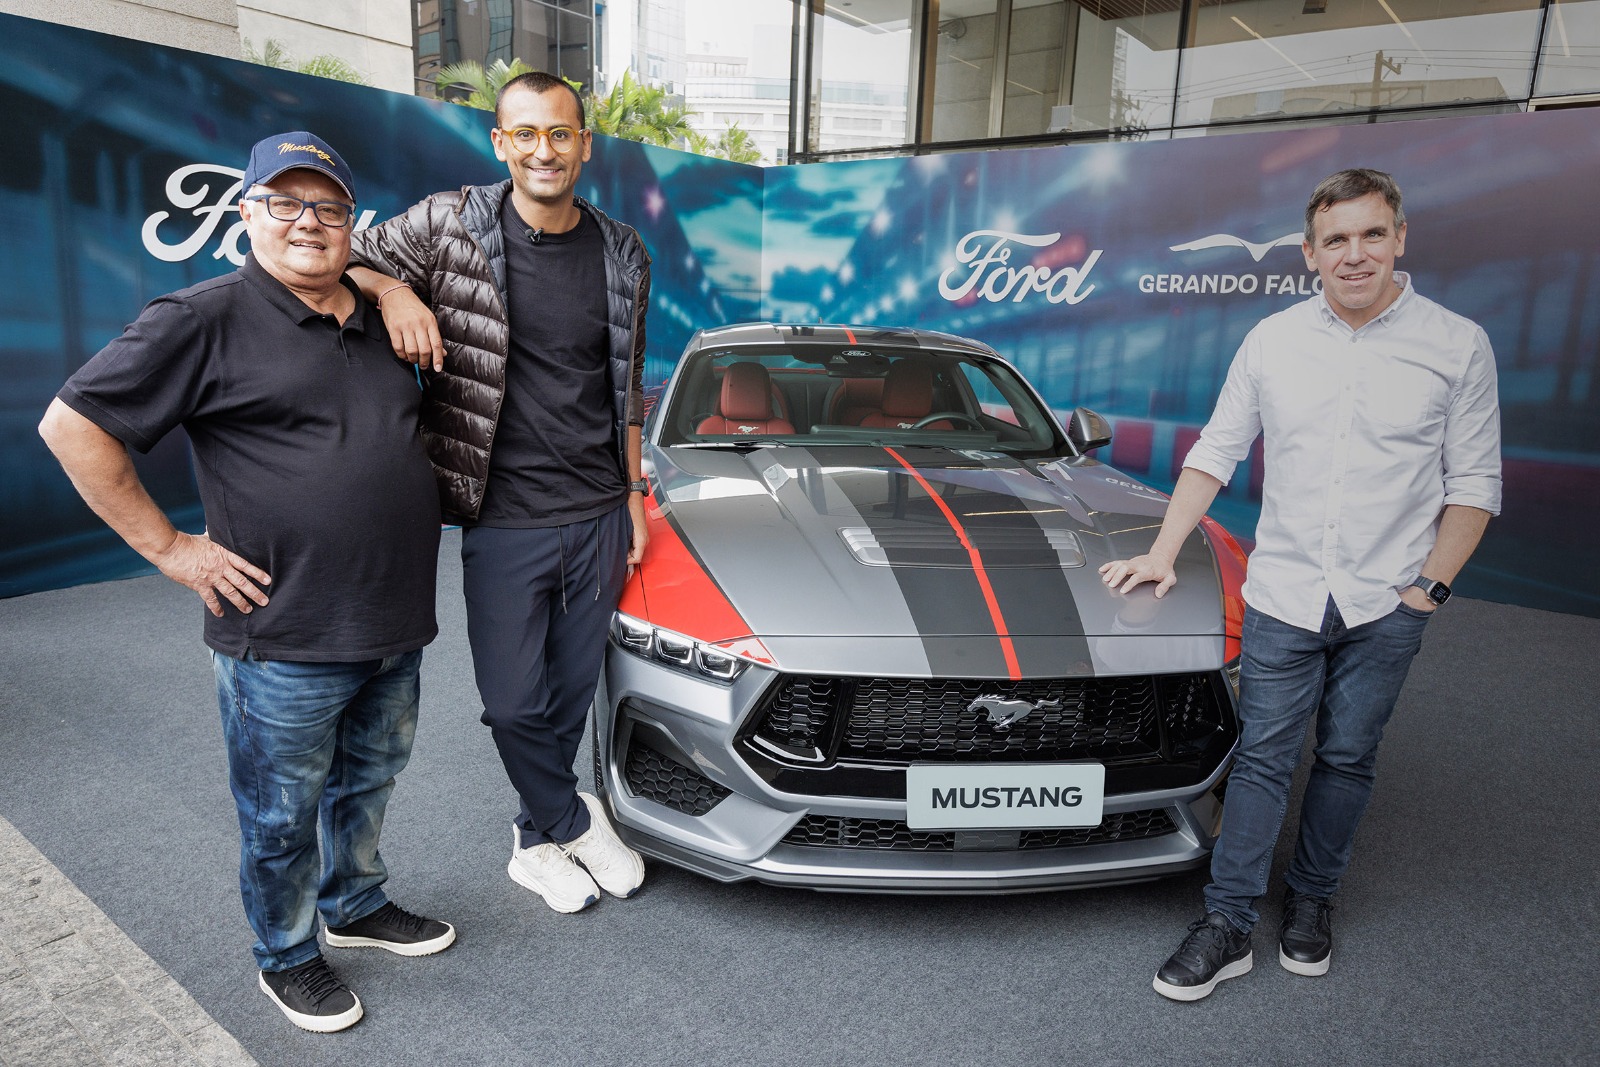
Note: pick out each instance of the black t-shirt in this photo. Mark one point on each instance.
(307, 456)
(554, 458)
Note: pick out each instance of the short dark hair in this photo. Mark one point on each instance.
(1352, 185)
(537, 81)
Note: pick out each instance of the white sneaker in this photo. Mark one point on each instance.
(618, 868)
(550, 872)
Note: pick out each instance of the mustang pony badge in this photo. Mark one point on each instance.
(1004, 713)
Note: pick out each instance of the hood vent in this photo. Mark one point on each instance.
(1028, 548)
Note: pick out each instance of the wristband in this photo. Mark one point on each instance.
(640, 486)
(386, 292)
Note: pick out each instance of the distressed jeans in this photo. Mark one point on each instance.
(310, 742)
(1349, 680)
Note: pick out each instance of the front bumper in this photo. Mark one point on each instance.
(684, 790)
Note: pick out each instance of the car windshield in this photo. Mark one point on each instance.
(837, 394)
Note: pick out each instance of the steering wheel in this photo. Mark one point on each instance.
(942, 416)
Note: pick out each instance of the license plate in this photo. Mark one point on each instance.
(1010, 796)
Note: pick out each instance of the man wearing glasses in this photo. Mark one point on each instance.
(532, 417)
(316, 491)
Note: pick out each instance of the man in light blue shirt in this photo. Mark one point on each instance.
(1381, 433)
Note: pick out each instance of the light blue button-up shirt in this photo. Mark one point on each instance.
(1368, 434)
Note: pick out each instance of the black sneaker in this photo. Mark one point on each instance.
(312, 996)
(396, 929)
(1213, 952)
(1305, 941)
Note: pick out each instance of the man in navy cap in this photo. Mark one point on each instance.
(317, 563)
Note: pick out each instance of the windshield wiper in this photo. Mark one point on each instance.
(735, 445)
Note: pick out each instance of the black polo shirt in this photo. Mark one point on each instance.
(307, 456)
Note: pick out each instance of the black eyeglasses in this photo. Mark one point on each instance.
(284, 208)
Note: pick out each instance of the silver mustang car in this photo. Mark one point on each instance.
(869, 649)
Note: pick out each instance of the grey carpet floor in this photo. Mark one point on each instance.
(1467, 928)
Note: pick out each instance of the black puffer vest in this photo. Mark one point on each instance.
(448, 248)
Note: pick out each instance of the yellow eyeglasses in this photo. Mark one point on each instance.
(525, 139)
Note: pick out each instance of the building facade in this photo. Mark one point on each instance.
(981, 73)
(372, 36)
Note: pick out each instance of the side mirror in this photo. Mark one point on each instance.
(1088, 430)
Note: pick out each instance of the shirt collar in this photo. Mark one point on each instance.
(1402, 279)
(365, 317)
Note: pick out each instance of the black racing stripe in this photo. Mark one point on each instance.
(1037, 602)
(1033, 593)
(941, 601)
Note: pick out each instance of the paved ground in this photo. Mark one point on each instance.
(75, 991)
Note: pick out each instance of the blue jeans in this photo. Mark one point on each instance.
(1349, 679)
(310, 741)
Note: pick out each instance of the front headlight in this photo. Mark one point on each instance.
(674, 649)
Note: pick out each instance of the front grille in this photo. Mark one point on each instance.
(909, 719)
(652, 776)
(901, 720)
(830, 831)
(797, 715)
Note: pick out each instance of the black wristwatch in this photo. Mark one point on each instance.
(642, 486)
(1437, 592)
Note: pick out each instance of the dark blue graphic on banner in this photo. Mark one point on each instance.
(1118, 276)
(120, 182)
(1124, 277)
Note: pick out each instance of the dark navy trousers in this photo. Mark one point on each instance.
(539, 604)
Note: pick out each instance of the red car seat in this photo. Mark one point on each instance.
(855, 399)
(745, 404)
(907, 397)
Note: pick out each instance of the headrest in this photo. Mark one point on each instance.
(746, 392)
(908, 390)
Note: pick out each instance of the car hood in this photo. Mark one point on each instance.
(910, 560)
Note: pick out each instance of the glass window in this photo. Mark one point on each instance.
(861, 67)
(1090, 66)
(1282, 58)
(1570, 62)
(963, 71)
(738, 68)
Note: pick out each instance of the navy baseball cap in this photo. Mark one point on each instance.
(285, 151)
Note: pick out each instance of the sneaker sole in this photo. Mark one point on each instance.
(1310, 970)
(317, 1024)
(399, 948)
(1200, 992)
(564, 905)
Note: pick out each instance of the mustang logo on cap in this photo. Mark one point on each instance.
(1004, 712)
(287, 147)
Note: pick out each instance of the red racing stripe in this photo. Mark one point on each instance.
(1006, 646)
(851, 334)
(672, 590)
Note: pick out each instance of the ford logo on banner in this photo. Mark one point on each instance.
(208, 204)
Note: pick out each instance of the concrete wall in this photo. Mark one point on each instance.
(199, 25)
(374, 36)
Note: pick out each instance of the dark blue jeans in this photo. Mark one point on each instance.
(310, 741)
(1349, 679)
(539, 606)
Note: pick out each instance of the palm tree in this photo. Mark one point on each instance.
(482, 83)
(274, 54)
(640, 113)
(737, 145)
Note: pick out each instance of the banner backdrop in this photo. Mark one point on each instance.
(1120, 276)
(120, 182)
(1124, 277)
